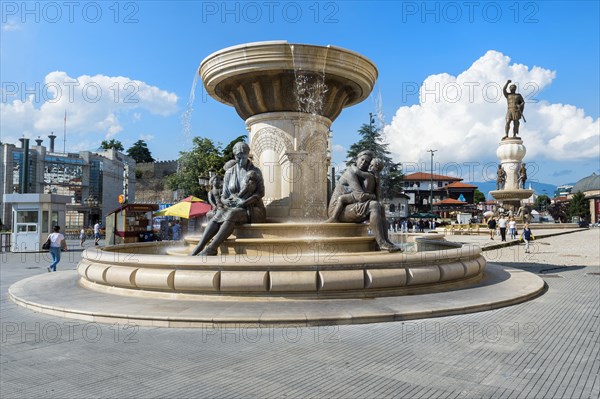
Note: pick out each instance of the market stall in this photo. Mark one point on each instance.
(130, 223)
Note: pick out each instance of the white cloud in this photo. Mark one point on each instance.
(94, 105)
(11, 26)
(146, 137)
(463, 117)
(338, 148)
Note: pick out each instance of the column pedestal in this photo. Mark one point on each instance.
(511, 152)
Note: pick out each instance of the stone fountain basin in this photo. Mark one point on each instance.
(260, 77)
(519, 194)
(288, 239)
(143, 269)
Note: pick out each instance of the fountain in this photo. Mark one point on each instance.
(294, 258)
(269, 84)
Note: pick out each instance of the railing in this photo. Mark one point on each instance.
(5, 242)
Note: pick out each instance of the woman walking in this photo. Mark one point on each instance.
(526, 236)
(57, 243)
(512, 228)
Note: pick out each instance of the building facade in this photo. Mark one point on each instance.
(420, 186)
(93, 180)
(590, 187)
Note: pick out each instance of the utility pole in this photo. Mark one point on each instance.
(431, 185)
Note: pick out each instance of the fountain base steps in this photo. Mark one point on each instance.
(62, 294)
(143, 266)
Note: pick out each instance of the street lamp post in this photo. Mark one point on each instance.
(431, 184)
(371, 121)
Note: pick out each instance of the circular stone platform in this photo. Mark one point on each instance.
(61, 294)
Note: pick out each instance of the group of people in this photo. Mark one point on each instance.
(83, 234)
(502, 225)
(58, 243)
(409, 225)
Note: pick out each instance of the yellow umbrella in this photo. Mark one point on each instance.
(187, 208)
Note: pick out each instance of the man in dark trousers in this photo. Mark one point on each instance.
(492, 227)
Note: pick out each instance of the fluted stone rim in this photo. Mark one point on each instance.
(343, 275)
(511, 194)
(256, 63)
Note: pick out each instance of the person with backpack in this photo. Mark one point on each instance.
(57, 244)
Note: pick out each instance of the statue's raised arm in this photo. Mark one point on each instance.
(516, 106)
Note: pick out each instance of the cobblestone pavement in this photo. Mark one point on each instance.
(544, 348)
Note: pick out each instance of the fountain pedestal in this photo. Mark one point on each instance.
(511, 152)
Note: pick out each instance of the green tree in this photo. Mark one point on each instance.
(541, 203)
(559, 211)
(391, 175)
(112, 143)
(139, 152)
(478, 196)
(204, 156)
(579, 206)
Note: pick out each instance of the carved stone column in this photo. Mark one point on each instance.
(291, 150)
(511, 152)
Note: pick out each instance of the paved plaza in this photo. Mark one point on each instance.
(544, 348)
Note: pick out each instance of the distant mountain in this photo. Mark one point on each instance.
(539, 188)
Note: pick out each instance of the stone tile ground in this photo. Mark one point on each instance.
(545, 348)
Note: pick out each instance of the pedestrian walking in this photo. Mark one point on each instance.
(176, 231)
(57, 243)
(82, 236)
(527, 236)
(512, 228)
(492, 226)
(502, 223)
(96, 233)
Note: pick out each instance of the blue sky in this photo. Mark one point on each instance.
(150, 51)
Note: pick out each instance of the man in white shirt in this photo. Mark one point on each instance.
(502, 222)
(96, 233)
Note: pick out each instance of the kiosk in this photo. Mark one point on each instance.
(129, 223)
(34, 217)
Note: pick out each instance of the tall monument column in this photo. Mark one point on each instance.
(511, 152)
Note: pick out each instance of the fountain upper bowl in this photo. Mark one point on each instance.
(262, 77)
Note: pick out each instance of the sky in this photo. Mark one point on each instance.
(126, 71)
